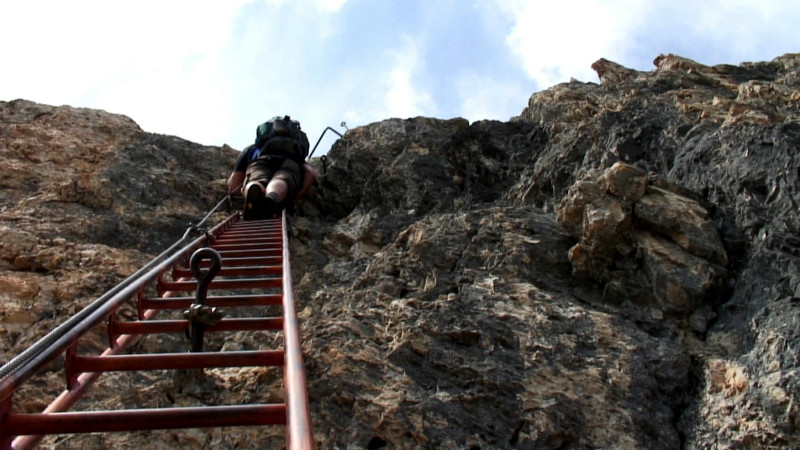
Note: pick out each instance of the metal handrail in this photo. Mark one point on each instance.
(26, 364)
(9, 372)
(320, 139)
(225, 201)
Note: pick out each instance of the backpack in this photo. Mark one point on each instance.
(282, 136)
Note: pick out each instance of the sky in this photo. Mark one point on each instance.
(211, 71)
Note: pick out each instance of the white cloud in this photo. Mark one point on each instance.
(489, 98)
(404, 97)
(331, 5)
(733, 31)
(558, 40)
(157, 62)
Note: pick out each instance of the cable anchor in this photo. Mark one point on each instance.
(199, 314)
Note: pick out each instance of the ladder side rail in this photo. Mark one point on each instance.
(298, 415)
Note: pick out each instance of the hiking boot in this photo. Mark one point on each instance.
(254, 203)
(271, 207)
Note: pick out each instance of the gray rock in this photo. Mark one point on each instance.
(683, 220)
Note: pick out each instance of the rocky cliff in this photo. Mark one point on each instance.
(617, 267)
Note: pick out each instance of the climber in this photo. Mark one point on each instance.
(272, 171)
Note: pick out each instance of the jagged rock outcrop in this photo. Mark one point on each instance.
(617, 267)
(730, 135)
(645, 244)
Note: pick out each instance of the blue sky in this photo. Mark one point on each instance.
(210, 71)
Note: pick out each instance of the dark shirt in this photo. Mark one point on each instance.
(244, 159)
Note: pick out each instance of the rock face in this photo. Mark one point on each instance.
(617, 267)
(86, 198)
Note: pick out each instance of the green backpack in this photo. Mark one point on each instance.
(282, 136)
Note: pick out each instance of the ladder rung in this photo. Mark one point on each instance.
(234, 271)
(223, 301)
(247, 245)
(179, 326)
(262, 230)
(245, 283)
(246, 236)
(250, 253)
(249, 261)
(147, 419)
(229, 244)
(248, 224)
(163, 361)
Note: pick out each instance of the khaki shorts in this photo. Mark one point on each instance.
(265, 168)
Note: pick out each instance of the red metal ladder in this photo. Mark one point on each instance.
(254, 259)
